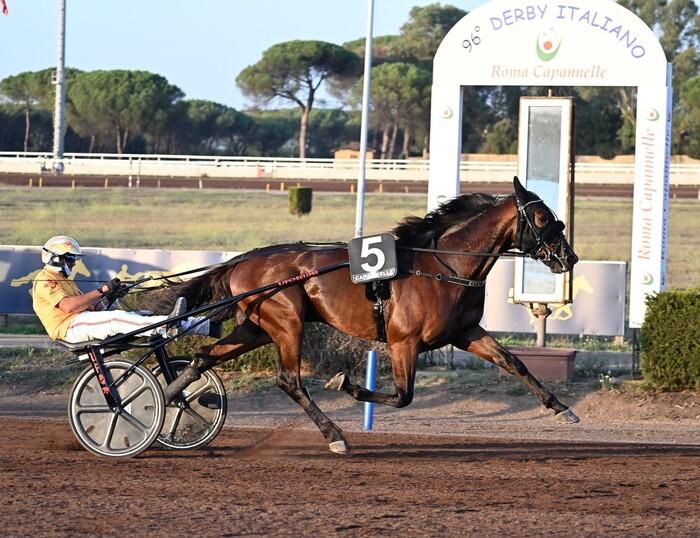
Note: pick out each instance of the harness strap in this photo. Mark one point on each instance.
(379, 291)
(523, 218)
(451, 279)
(441, 261)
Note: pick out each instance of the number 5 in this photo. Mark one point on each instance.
(367, 252)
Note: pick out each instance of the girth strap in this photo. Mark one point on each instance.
(379, 291)
(378, 310)
(451, 279)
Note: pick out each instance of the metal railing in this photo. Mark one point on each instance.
(245, 167)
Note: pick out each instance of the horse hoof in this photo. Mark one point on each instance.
(567, 417)
(336, 383)
(339, 447)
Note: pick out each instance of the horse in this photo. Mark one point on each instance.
(425, 309)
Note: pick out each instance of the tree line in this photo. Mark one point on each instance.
(140, 112)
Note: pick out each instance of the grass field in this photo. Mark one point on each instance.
(236, 220)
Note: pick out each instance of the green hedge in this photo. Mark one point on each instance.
(670, 340)
(300, 200)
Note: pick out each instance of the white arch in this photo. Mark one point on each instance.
(564, 43)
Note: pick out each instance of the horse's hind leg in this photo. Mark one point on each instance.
(403, 367)
(481, 343)
(243, 338)
(289, 380)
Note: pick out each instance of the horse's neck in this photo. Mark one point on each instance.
(491, 231)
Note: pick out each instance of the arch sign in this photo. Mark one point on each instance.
(564, 43)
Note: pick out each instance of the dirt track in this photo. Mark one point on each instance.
(482, 460)
(261, 482)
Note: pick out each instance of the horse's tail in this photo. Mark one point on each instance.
(209, 287)
(204, 289)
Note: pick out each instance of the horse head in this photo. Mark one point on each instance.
(539, 233)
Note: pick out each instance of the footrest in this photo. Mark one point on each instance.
(78, 346)
(83, 346)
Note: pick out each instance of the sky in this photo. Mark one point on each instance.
(200, 46)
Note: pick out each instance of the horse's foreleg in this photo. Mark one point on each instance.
(403, 366)
(481, 343)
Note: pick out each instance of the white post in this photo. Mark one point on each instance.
(360, 203)
(58, 122)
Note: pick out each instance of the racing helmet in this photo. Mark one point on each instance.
(60, 250)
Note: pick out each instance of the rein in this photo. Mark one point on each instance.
(507, 254)
(451, 279)
(164, 277)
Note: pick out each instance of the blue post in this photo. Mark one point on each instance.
(369, 385)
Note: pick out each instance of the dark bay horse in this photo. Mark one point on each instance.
(421, 313)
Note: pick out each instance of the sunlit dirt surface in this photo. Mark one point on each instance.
(283, 482)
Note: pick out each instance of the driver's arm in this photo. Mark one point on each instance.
(85, 301)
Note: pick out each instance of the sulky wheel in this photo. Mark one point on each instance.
(196, 418)
(117, 434)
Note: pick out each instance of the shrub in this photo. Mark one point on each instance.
(328, 351)
(325, 352)
(670, 340)
(300, 200)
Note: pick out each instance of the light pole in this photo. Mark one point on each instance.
(59, 81)
(360, 202)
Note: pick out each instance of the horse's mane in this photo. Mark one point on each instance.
(421, 232)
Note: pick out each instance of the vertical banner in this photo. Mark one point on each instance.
(651, 194)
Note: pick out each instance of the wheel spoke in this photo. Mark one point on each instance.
(110, 431)
(136, 423)
(176, 421)
(94, 408)
(135, 393)
(197, 417)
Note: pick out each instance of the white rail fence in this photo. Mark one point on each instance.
(199, 166)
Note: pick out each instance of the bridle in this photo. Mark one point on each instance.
(542, 250)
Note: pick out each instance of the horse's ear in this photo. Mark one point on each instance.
(520, 191)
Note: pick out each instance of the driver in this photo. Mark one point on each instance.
(70, 315)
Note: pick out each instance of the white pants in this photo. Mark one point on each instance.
(100, 325)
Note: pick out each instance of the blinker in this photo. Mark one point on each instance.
(550, 232)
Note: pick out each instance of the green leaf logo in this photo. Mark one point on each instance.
(548, 44)
(647, 279)
(653, 115)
